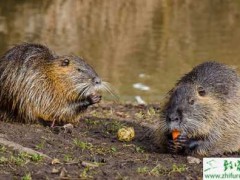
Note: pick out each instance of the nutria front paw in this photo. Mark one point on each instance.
(191, 146)
(93, 98)
(178, 145)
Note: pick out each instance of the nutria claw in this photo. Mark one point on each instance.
(172, 147)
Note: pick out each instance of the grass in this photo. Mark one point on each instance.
(91, 122)
(68, 158)
(179, 168)
(113, 149)
(143, 170)
(103, 113)
(109, 127)
(121, 177)
(160, 170)
(85, 173)
(139, 149)
(18, 160)
(135, 148)
(41, 145)
(147, 115)
(100, 150)
(3, 160)
(113, 126)
(151, 111)
(3, 149)
(82, 145)
(23, 158)
(36, 157)
(27, 177)
(139, 115)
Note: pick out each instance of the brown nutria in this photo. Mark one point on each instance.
(204, 107)
(38, 85)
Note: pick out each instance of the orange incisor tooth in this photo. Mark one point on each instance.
(175, 134)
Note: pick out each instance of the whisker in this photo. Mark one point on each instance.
(84, 91)
(109, 89)
(81, 88)
(78, 88)
(82, 78)
(87, 90)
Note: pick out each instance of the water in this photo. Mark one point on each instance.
(149, 43)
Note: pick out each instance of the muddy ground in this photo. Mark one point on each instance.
(91, 150)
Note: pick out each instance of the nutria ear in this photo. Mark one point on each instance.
(65, 62)
(201, 91)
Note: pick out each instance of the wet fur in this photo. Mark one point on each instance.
(215, 118)
(34, 86)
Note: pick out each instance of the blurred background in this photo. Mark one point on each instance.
(142, 47)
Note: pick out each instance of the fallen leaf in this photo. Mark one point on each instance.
(55, 161)
(55, 170)
(88, 164)
(63, 172)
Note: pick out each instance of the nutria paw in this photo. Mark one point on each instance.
(178, 145)
(192, 145)
(182, 145)
(90, 100)
(93, 99)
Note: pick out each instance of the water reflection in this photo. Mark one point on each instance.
(123, 39)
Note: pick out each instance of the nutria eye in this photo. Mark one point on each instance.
(201, 91)
(65, 62)
(191, 101)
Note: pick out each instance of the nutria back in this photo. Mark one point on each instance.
(39, 85)
(204, 107)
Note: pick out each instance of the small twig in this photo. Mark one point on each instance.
(11, 167)
(72, 163)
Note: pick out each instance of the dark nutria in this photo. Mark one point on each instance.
(204, 107)
(36, 84)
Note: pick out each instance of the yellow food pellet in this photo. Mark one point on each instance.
(126, 134)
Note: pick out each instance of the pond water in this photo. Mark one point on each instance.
(141, 47)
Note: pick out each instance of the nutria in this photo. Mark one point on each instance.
(39, 85)
(204, 107)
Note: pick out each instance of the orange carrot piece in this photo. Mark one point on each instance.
(175, 134)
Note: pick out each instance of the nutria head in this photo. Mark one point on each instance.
(70, 75)
(74, 76)
(199, 100)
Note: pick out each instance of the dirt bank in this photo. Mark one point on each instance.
(91, 149)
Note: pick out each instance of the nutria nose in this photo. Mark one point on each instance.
(96, 80)
(175, 116)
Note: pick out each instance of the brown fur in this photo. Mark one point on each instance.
(35, 84)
